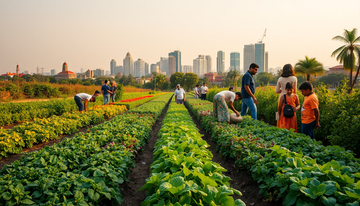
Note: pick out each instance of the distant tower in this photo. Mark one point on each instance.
(177, 55)
(65, 67)
(266, 62)
(220, 62)
(113, 67)
(249, 56)
(209, 64)
(260, 56)
(235, 61)
(128, 63)
(17, 70)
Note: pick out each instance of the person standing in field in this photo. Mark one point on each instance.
(292, 100)
(204, 89)
(196, 91)
(249, 101)
(287, 75)
(221, 110)
(113, 90)
(105, 89)
(83, 97)
(179, 95)
(310, 113)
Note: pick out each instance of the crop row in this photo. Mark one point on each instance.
(288, 165)
(84, 170)
(132, 104)
(182, 170)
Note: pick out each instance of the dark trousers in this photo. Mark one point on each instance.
(203, 96)
(79, 103)
(308, 129)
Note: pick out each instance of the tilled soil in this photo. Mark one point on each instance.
(137, 176)
(240, 179)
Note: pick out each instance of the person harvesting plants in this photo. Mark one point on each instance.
(83, 97)
(221, 110)
(287, 119)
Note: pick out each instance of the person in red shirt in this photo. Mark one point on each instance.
(310, 113)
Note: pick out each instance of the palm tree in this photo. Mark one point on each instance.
(234, 74)
(346, 53)
(308, 67)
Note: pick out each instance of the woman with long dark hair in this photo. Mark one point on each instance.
(287, 75)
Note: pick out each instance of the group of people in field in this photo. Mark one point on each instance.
(288, 102)
(108, 93)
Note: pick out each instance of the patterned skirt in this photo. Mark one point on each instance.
(221, 110)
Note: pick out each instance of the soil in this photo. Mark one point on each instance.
(11, 158)
(240, 179)
(137, 176)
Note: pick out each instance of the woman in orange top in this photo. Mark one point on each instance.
(292, 100)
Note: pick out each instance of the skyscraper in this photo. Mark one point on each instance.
(177, 55)
(112, 67)
(235, 61)
(208, 63)
(17, 70)
(128, 65)
(249, 56)
(200, 66)
(260, 56)
(220, 62)
(266, 62)
(147, 70)
(99, 72)
(139, 68)
(154, 68)
(164, 65)
(53, 72)
(172, 65)
(187, 69)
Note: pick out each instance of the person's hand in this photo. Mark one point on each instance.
(237, 114)
(255, 100)
(294, 108)
(317, 125)
(184, 99)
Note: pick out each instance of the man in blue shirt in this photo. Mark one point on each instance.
(248, 90)
(105, 89)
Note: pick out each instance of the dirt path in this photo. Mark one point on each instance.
(138, 175)
(240, 180)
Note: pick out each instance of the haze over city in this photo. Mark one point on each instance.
(88, 34)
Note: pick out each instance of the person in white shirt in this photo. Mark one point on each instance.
(83, 97)
(196, 91)
(221, 110)
(179, 95)
(204, 89)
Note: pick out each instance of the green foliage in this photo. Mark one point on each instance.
(308, 67)
(332, 79)
(190, 80)
(119, 92)
(264, 78)
(176, 78)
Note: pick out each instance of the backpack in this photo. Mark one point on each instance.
(288, 109)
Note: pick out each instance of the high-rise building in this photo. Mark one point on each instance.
(208, 63)
(220, 62)
(187, 69)
(17, 70)
(154, 68)
(118, 69)
(113, 67)
(53, 72)
(172, 65)
(99, 72)
(266, 62)
(139, 68)
(164, 65)
(81, 70)
(107, 72)
(177, 55)
(147, 70)
(128, 65)
(235, 61)
(26, 72)
(260, 56)
(249, 56)
(200, 66)
(89, 74)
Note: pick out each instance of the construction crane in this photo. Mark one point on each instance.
(262, 38)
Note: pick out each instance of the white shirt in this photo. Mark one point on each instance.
(179, 93)
(196, 91)
(204, 89)
(84, 96)
(228, 95)
(281, 84)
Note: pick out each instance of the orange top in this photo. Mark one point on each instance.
(311, 102)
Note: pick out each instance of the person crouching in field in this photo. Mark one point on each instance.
(221, 110)
(310, 113)
(83, 97)
(288, 120)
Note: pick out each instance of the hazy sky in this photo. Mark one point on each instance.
(89, 33)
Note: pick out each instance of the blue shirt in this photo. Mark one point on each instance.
(105, 88)
(247, 80)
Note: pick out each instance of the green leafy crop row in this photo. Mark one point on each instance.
(182, 170)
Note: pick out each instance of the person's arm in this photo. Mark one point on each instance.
(184, 96)
(231, 105)
(278, 87)
(85, 105)
(295, 85)
(297, 104)
(247, 89)
(281, 102)
(317, 117)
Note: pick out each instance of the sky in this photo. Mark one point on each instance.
(89, 33)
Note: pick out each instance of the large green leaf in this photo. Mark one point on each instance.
(328, 201)
(290, 198)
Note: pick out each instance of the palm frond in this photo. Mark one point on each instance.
(337, 50)
(340, 38)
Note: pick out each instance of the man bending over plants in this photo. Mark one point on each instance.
(221, 110)
(83, 97)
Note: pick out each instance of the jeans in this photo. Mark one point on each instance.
(203, 96)
(106, 98)
(248, 103)
(112, 97)
(308, 129)
(79, 103)
(179, 101)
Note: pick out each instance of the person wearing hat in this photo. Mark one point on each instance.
(179, 95)
(83, 97)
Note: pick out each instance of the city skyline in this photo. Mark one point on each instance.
(39, 34)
